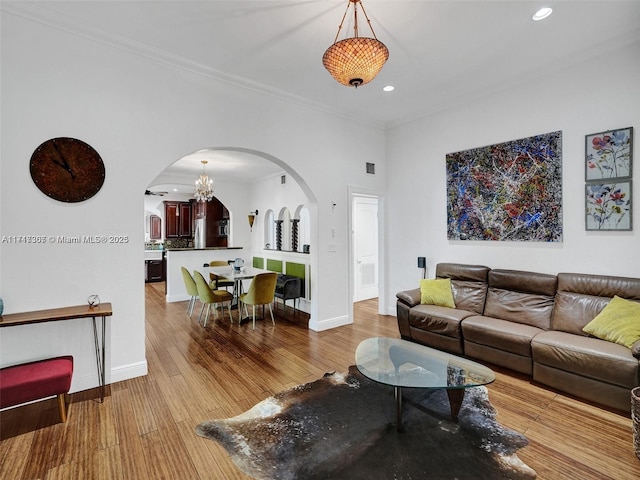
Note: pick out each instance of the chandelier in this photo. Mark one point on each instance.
(357, 60)
(204, 185)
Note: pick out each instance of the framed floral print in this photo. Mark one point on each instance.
(608, 155)
(608, 205)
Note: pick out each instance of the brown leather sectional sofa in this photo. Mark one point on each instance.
(532, 323)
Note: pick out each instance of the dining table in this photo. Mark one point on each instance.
(237, 276)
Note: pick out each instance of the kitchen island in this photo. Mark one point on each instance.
(193, 259)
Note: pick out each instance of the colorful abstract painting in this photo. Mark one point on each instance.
(608, 154)
(608, 206)
(511, 191)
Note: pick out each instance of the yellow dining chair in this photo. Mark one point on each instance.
(217, 280)
(192, 289)
(209, 297)
(261, 292)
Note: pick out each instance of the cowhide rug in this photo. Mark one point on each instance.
(343, 427)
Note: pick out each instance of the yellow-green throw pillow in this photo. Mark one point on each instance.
(437, 292)
(618, 322)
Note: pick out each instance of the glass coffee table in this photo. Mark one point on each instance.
(401, 363)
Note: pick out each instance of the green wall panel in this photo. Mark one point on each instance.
(258, 262)
(274, 265)
(296, 269)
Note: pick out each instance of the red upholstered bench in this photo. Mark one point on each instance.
(35, 380)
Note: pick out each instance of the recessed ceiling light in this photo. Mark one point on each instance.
(389, 88)
(541, 14)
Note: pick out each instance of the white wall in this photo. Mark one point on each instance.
(141, 116)
(580, 99)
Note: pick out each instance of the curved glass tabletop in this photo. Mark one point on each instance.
(401, 363)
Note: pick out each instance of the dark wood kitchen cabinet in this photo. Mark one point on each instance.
(154, 271)
(177, 219)
(217, 222)
(155, 227)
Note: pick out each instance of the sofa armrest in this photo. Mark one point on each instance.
(406, 300)
(635, 349)
(409, 297)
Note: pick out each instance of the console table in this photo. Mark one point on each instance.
(102, 311)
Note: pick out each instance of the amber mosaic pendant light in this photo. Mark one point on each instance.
(357, 60)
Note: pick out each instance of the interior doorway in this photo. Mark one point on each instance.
(365, 247)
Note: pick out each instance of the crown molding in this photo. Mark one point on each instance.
(36, 13)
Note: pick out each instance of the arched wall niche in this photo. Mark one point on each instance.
(283, 230)
(269, 230)
(303, 229)
(295, 230)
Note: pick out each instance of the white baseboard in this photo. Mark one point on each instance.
(117, 374)
(126, 372)
(177, 298)
(329, 323)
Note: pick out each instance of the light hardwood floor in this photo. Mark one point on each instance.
(145, 427)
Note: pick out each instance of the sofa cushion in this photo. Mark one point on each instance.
(500, 334)
(587, 356)
(582, 296)
(469, 295)
(436, 292)
(600, 285)
(468, 284)
(527, 309)
(574, 310)
(524, 282)
(436, 319)
(618, 322)
(459, 271)
(523, 297)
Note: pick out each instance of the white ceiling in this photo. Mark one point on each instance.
(227, 165)
(442, 53)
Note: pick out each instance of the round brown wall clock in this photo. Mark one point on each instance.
(67, 170)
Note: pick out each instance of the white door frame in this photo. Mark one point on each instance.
(382, 286)
(364, 234)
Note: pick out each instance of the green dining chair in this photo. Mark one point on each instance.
(192, 289)
(210, 297)
(217, 280)
(261, 292)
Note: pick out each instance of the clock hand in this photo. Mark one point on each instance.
(64, 167)
(64, 163)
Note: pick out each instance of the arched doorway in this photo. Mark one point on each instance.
(238, 195)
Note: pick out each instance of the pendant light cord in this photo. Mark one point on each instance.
(355, 18)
